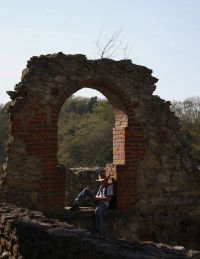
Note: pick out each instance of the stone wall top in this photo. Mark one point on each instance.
(29, 234)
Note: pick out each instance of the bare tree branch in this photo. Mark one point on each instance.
(112, 47)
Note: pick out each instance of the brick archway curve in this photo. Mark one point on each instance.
(32, 176)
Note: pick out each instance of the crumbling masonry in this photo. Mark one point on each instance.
(155, 174)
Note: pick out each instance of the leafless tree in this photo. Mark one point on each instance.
(112, 47)
(188, 111)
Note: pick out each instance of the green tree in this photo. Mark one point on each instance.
(85, 138)
(188, 112)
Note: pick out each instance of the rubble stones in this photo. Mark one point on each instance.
(27, 234)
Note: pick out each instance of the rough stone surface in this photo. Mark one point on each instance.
(169, 220)
(27, 234)
(155, 174)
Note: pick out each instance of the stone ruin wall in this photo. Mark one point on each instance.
(172, 221)
(156, 177)
(31, 235)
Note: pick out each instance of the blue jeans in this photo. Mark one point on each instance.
(100, 208)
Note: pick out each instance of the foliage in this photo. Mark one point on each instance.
(188, 112)
(85, 132)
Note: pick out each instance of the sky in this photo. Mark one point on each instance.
(163, 35)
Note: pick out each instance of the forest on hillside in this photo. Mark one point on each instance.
(85, 130)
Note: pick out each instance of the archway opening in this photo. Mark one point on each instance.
(91, 131)
(85, 131)
(34, 116)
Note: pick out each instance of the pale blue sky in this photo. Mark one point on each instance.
(163, 35)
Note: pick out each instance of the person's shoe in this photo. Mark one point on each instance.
(74, 207)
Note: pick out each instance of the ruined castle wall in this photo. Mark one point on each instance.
(30, 235)
(156, 177)
(165, 219)
(46, 84)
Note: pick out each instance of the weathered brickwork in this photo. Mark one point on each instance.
(152, 164)
(46, 84)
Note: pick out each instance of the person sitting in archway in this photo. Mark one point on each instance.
(101, 199)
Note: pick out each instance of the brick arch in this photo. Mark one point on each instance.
(126, 152)
(32, 176)
(116, 99)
